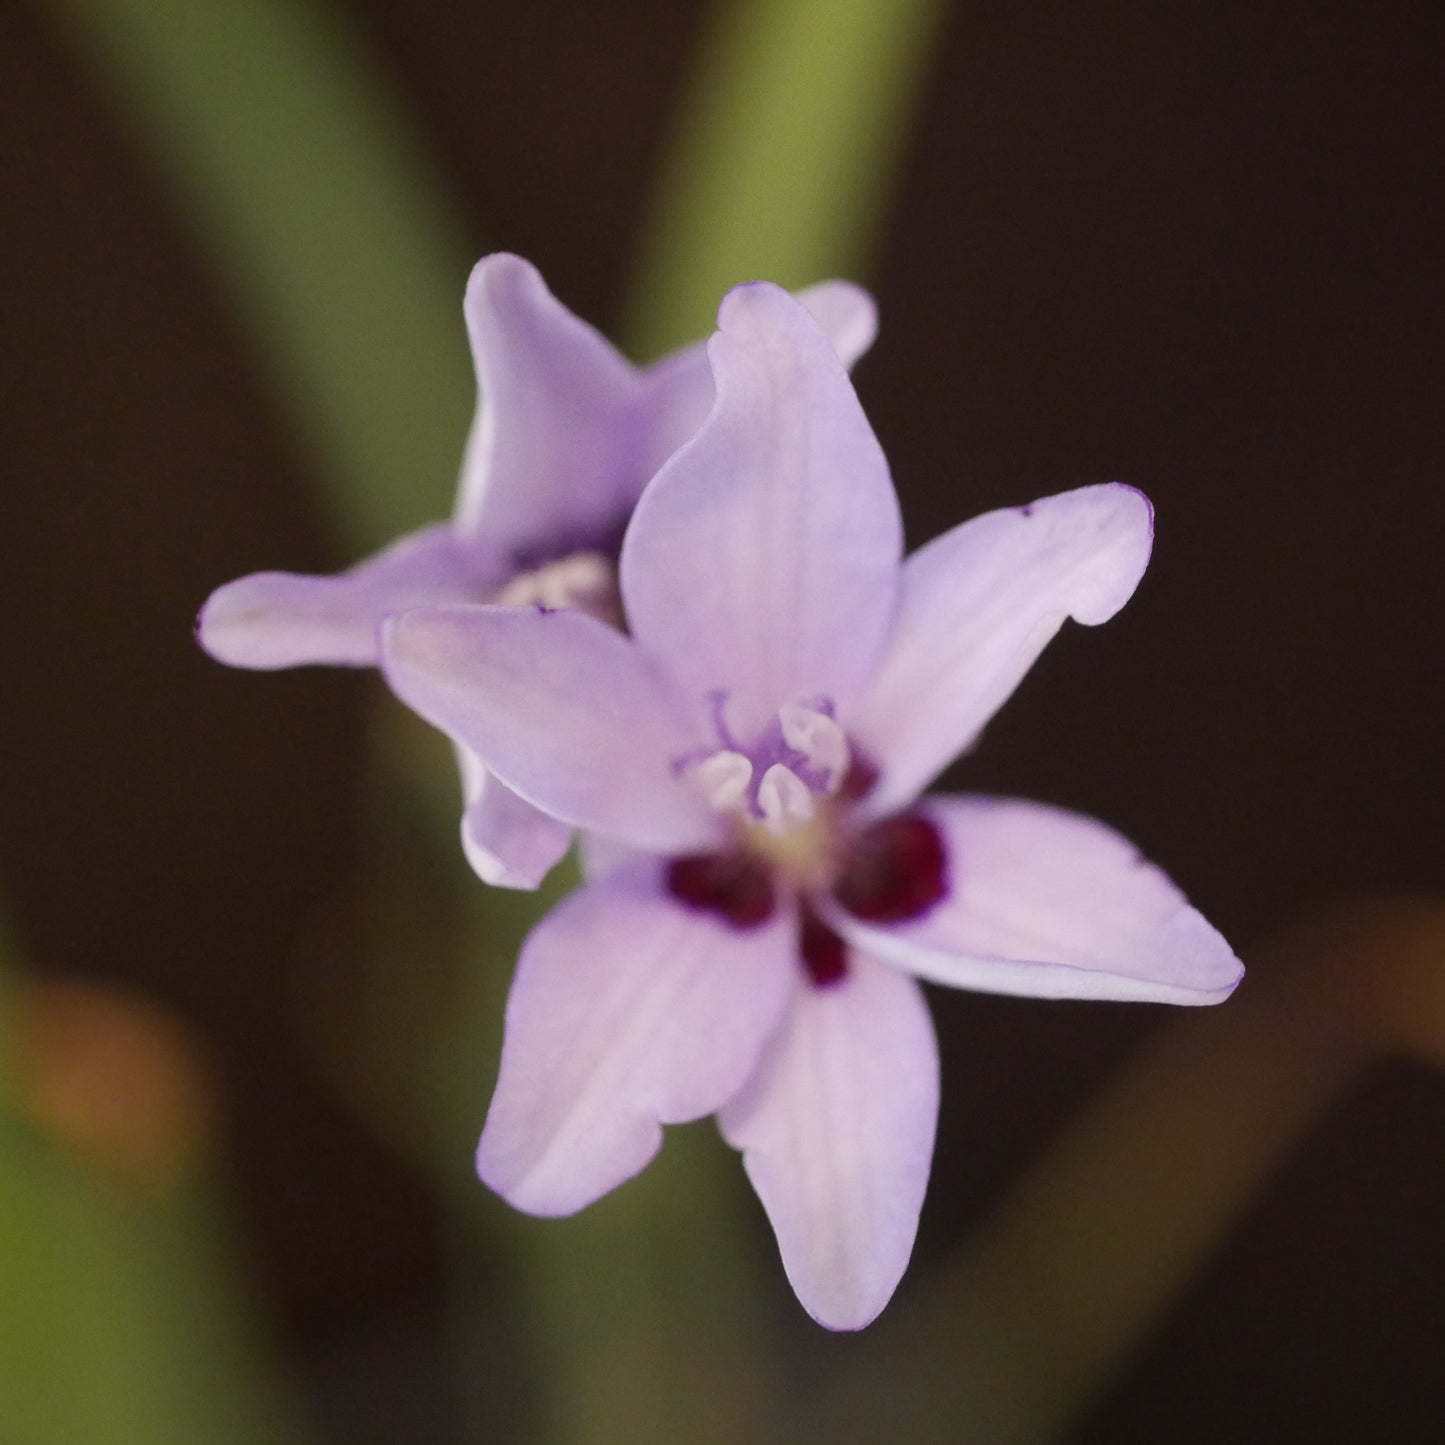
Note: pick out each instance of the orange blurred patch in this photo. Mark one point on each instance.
(118, 1080)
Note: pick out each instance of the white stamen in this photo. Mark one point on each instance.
(582, 581)
(723, 778)
(819, 739)
(784, 799)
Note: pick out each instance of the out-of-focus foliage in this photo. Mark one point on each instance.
(121, 1317)
(321, 213)
(785, 156)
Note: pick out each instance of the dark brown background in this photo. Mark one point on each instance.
(1194, 247)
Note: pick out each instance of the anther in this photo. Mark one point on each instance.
(581, 581)
(723, 778)
(820, 740)
(784, 799)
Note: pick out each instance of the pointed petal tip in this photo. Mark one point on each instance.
(848, 315)
(843, 1312)
(498, 871)
(1124, 524)
(1131, 497)
(978, 605)
(508, 842)
(266, 621)
(849, 1321)
(1134, 507)
(836, 1129)
(752, 310)
(1136, 493)
(218, 620)
(1052, 904)
(740, 298)
(501, 288)
(1214, 970)
(500, 271)
(220, 628)
(1198, 967)
(554, 1193)
(210, 633)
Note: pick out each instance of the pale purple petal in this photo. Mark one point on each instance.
(627, 1012)
(508, 842)
(977, 607)
(550, 464)
(598, 856)
(565, 710)
(847, 316)
(763, 558)
(1048, 904)
(282, 619)
(679, 391)
(836, 1129)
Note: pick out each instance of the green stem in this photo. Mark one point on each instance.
(123, 1319)
(321, 214)
(784, 160)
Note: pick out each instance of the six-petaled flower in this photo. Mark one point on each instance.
(766, 885)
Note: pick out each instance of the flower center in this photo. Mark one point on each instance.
(790, 795)
(580, 581)
(779, 791)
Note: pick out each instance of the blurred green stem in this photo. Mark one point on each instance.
(784, 160)
(324, 219)
(123, 1319)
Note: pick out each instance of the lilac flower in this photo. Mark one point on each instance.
(566, 435)
(766, 886)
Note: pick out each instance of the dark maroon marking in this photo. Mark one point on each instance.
(824, 954)
(860, 779)
(735, 885)
(894, 870)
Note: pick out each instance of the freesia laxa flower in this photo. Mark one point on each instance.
(767, 885)
(565, 436)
